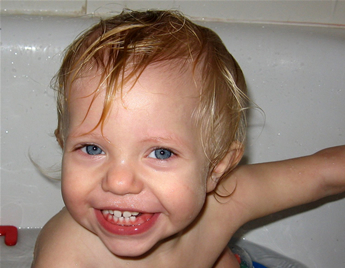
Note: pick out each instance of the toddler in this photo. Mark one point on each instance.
(151, 121)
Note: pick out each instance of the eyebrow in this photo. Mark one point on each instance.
(90, 134)
(167, 138)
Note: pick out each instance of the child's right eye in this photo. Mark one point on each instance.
(92, 150)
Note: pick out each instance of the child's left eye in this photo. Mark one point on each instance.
(161, 154)
(92, 150)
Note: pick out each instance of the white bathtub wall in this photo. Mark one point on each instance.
(310, 11)
(296, 75)
(30, 57)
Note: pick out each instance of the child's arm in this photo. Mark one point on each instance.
(262, 189)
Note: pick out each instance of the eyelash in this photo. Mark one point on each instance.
(83, 148)
(171, 153)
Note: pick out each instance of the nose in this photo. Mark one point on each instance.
(122, 179)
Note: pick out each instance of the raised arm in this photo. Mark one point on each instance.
(262, 189)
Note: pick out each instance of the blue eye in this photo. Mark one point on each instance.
(161, 154)
(92, 150)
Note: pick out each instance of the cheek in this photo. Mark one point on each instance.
(70, 191)
(191, 204)
(75, 196)
(196, 199)
(186, 199)
(73, 186)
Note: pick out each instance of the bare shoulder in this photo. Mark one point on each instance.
(57, 244)
(261, 189)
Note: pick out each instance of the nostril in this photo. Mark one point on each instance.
(10, 233)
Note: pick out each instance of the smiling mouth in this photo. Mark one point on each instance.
(126, 218)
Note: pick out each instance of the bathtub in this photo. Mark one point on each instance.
(294, 73)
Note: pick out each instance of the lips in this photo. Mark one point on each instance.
(126, 222)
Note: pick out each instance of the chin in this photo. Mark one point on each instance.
(128, 250)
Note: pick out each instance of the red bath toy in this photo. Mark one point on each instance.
(10, 233)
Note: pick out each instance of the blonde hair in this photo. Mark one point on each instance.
(122, 47)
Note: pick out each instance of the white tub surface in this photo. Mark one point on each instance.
(20, 255)
(294, 73)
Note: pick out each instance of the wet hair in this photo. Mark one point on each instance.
(121, 47)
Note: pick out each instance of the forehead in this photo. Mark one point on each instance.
(175, 78)
(173, 83)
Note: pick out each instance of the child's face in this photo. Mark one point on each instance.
(148, 160)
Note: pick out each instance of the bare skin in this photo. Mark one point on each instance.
(117, 168)
(65, 243)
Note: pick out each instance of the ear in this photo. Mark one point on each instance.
(58, 137)
(229, 162)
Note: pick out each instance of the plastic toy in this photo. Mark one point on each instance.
(10, 233)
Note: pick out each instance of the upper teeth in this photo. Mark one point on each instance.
(119, 214)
